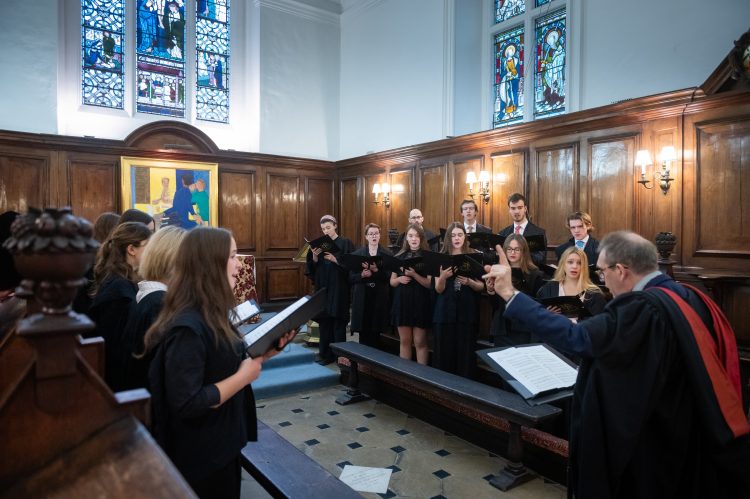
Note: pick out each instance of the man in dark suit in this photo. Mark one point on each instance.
(521, 225)
(416, 218)
(659, 382)
(469, 210)
(580, 225)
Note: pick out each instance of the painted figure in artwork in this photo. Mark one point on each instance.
(509, 80)
(552, 67)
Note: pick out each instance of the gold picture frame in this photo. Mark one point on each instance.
(153, 186)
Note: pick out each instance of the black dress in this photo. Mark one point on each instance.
(456, 318)
(144, 315)
(505, 332)
(412, 303)
(593, 302)
(203, 441)
(370, 301)
(335, 279)
(110, 311)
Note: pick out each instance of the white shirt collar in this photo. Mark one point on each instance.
(641, 285)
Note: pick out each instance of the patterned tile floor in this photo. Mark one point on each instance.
(426, 461)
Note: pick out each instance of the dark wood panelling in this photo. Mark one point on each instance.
(507, 177)
(282, 212)
(611, 185)
(723, 185)
(93, 189)
(402, 201)
(432, 197)
(736, 305)
(373, 213)
(350, 217)
(23, 182)
(237, 207)
(282, 281)
(460, 191)
(318, 202)
(554, 194)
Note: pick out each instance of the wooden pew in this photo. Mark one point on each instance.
(285, 471)
(489, 408)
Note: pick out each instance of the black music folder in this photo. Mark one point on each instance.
(356, 263)
(325, 243)
(465, 264)
(485, 241)
(570, 306)
(538, 372)
(245, 311)
(416, 263)
(264, 337)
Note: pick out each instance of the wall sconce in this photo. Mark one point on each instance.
(484, 184)
(385, 189)
(643, 159)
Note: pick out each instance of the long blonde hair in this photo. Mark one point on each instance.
(199, 282)
(584, 279)
(157, 262)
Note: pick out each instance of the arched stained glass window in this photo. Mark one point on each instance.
(160, 57)
(549, 83)
(102, 40)
(212, 60)
(509, 79)
(505, 9)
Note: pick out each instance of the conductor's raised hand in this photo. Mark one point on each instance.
(500, 275)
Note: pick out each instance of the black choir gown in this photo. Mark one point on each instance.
(505, 332)
(370, 299)
(456, 319)
(144, 315)
(335, 279)
(592, 301)
(412, 303)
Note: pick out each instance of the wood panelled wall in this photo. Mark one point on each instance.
(270, 203)
(585, 161)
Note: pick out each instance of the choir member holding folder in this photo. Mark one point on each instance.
(572, 279)
(528, 279)
(411, 312)
(203, 409)
(324, 270)
(370, 280)
(456, 312)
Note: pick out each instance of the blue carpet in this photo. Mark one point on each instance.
(292, 371)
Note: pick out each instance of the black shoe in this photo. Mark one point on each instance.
(323, 361)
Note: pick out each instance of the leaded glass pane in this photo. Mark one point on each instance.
(212, 60)
(505, 9)
(539, 3)
(160, 58)
(509, 79)
(102, 40)
(549, 82)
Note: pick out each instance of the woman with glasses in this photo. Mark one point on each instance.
(456, 314)
(572, 279)
(370, 295)
(528, 279)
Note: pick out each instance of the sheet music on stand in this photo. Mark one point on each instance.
(537, 372)
(262, 338)
(245, 310)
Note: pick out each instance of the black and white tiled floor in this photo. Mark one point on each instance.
(426, 461)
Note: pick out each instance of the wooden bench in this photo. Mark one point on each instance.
(460, 397)
(286, 472)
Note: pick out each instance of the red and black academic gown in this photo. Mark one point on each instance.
(651, 416)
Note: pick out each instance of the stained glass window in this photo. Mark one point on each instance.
(505, 9)
(539, 3)
(102, 30)
(549, 81)
(509, 79)
(160, 57)
(212, 60)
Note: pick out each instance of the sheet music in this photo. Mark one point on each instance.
(245, 310)
(264, 328)
(536, 368)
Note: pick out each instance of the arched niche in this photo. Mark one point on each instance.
(171, 135)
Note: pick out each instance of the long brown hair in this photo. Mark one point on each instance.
(422, 239)
(526, 263)
(584, 280)
(199, 282)
(112, 258)
(447, 241)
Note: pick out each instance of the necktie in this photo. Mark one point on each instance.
(518, 229)
(470, 229)
(580, 244)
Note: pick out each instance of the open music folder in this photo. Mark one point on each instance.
(536, 371)
(262, 338)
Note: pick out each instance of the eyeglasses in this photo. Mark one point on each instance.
(513, 250)
(600, 272)
(420, 217)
